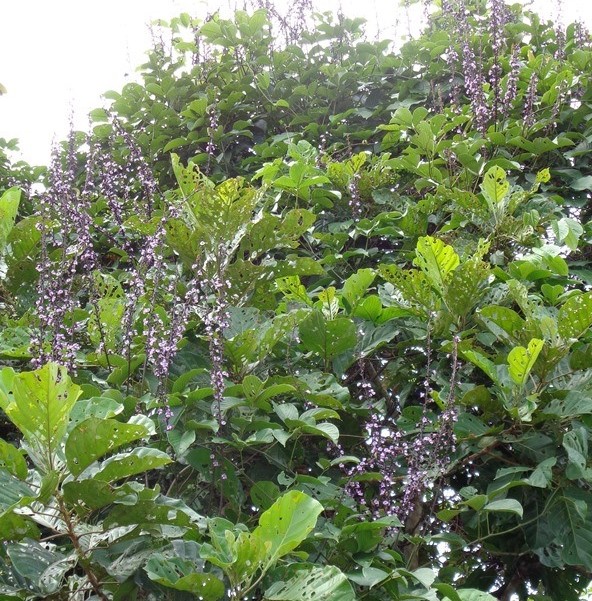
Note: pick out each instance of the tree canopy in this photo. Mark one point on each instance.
(307, 317)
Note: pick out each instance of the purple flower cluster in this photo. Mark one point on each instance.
(581, 35)
(355, 201)
(207, 298)
(529, 101)
(453, 61)
(474, 81)
(511, 83)
(67, 256)
(499, 17)
(559, 54)
(405, 463)
(213, 123)
(137, 164)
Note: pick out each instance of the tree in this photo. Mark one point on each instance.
(326, 337)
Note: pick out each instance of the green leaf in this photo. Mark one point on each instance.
(542, 476)
(33, 561)
(465, 285)
(9, 203)
(568, 231)
(521, 360)
(482, 363)
(582, 183)
(495, 188)
(264, 493)
(15, 527)
(92, 493)
(355, 287)
(471, 594)
(328, 338)
(504, 322)
(437, 260)
(94, 437)
(575, 403)
(575, 316)
(13, 491)
(138, 512)
(576, 445)
(287, 523)
(129, 464)
(505, 505)
(564, 535)
(326, 583)
(12, 459)
(39, 407)
(182, 575)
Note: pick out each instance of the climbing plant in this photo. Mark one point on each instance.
(308, 318)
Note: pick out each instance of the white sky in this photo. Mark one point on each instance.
(59, 56)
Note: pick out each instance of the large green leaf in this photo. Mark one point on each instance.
(9, 203)
(129, 464)
(504, 322)
(13, 491)
(328, 338)
(521, 360)
(575, 403)
(495, 188)
(576, 445)
(95, 437)
(326, 583)
(564, 534)
(505, 505)
(44, 567)
(355, 287)
(182, 575)
(575, 316)
(437, 260)
(465, 285)
(287, 523)
(39, 407)
(12, 459)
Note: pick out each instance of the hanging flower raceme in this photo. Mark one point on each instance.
(529, 102)
(67, 258)
(207, 297)
(408, 465)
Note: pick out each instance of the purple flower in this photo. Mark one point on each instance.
(511, 83)
(529, 101)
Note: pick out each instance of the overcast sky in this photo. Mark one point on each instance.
(59, 56)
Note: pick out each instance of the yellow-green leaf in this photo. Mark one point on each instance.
(521, 360)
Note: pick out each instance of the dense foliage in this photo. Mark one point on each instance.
(307, 318)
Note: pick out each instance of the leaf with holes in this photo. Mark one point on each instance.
(95, 437)
(316, 584)
(287, 523)
(182, 575)
(521, 360)
(575, 316)
(135, 462)
(39, 407)
(327, 338)
(495, 188)
(437, 260)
